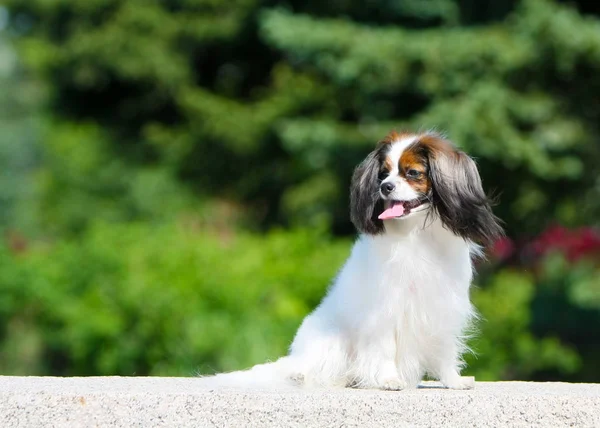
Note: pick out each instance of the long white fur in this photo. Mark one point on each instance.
(398, 309)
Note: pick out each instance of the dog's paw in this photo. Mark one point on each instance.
(392, 384)
(297, 378)
(461, 382)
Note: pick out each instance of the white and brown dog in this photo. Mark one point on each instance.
(400, 306)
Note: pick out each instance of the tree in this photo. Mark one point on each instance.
(272, 108)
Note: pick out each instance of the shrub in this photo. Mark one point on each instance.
(159, 299)
(178, 299)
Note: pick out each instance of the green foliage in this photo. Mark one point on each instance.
(21, 122)
(163, 299)
(568, 304)
(81, 175)
(504, 347)
(255, 104)
(494, 89)
(176, 299)
(122, 117)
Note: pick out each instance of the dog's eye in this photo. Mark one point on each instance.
(383, 175)
(413, 173)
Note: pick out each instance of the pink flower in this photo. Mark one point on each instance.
(503, 248)
(574, 244)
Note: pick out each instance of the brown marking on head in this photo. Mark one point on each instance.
(394, 136)
(457, 193)
(413, 167)
(388, 164)
(436, 144)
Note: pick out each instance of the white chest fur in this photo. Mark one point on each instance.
(398, 308)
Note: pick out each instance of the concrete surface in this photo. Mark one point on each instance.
(181, 402)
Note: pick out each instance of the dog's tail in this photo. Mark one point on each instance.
(277, 374)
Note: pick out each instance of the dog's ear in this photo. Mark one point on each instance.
(365, 202)
(457, 193)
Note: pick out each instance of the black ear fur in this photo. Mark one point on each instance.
(365, 202)
(459, 198)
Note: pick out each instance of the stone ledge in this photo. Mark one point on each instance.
(183, 402)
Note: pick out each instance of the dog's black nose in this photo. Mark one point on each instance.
(387, 188)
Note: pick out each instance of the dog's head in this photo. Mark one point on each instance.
(418, 174)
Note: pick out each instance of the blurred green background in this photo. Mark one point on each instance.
(173, 190)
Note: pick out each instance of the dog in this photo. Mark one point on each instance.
(399, 308)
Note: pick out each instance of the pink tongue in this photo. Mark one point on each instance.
(396, 210)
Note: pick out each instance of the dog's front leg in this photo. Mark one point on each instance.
(375, 364)
(446, 365)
